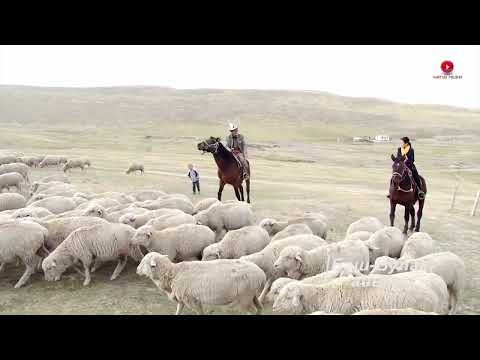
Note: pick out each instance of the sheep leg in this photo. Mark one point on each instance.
(248, 190)
(197, 307)
(87, 274)
(180, 307)
(258, 305)
(265, 290)
(2, 267)
(453, 301)
(120, 266)
(26, 275)
(220, 234)
(96, 265)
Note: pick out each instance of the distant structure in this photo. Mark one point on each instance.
(382, 139)
(362, 140)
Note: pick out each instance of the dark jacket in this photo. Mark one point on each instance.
(241, 143)
(410, 156)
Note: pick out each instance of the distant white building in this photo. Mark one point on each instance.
(382, 138)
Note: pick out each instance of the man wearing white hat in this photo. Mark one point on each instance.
(236, 142)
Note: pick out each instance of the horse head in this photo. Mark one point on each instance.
(398, 169)
(209, 145)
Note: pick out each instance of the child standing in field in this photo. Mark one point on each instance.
(195, 177)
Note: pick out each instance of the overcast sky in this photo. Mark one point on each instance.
(398, 73)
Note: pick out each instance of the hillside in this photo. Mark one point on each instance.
(305, 115)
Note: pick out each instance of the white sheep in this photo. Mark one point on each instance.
(167, 203)
(445, 264)
(135, 167)
(181, 243)
(387, 241)
(265, 259)
(8, 159)
(60, 228)
(74, 163)
(338, 270)
(144, 195)
(347, 295)
(40, 187)
(204, 204)
(298, 263)
(368, 223)
(35, 212)
(118, 196)
(102, 242)
(104, 202)
(15, 167)
(359, 235)
(315, 221)
(238, 243)
(115, 216)
(12, 201)
(138, 220)
(171, 220)
(21, 239)
(53, 160)
(225, 217)
(11, 179)
(417, 245)
(293, 229)
(407, 311)
(56, 177)
(55, 204)
(197, 284)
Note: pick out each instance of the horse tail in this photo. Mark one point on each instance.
(424, 184)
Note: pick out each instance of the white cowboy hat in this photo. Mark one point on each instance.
(232, 127)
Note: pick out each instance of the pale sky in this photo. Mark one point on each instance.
(397, 73)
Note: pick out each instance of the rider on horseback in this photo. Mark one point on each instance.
(236, 143)
(406, 151)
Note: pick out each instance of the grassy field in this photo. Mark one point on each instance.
(301, 160)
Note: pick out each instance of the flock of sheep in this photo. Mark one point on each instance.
(214, 253)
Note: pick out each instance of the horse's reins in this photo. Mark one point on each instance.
(401, 177)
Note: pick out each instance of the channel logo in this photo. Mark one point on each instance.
(447, 71)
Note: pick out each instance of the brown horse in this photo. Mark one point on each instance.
(229, 171)
(403, 191)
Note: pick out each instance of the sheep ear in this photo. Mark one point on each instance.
(54, 263)
(371, 247)
(299, 258)
(153, 263)
(149, 234)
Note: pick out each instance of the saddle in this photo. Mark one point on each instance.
(245, 171)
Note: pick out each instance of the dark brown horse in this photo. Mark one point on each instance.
(229, 171)
(403, 191)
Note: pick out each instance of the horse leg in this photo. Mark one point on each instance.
(248, 190)
(412, 215)
(240, 187)
(220, 190)
(419, 214)
(393, 205)
(407, 217)
(237, 193)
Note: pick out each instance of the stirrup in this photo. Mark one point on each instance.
(421, 195)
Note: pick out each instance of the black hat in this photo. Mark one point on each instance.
(405, 139)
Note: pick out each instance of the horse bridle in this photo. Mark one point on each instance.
(401, 177)
(215, 145)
